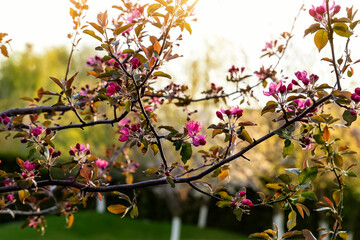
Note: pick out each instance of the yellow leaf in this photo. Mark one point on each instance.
(224, 174)
(291, 223)
(69, 220)
(321, 39)
(326, 133)
(116, 209)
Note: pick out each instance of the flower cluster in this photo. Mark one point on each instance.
(356, 99)
(234, 112)
(29, 169)
(319, 13)
(135, 63)
(37, 131)
(4, 119)
(112, 88)
(302, 76)
(240, 200)
(128, 130)
(279, 91)
(80, 152)
(193, 129)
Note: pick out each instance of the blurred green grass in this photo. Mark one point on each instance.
(91, 225)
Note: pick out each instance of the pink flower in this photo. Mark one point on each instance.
(37, 131)
(268, 45)
(233, 111)
(101, 163)
(273, 89)
(4, 119)
(193, 128)
(80, 148)
(112, 88)
(302, 77)
(242, 193)
(29, 166)
(125, 134)
(9, 198)
(319, 13)
(123, 122)
(135, 63)
(199, 140)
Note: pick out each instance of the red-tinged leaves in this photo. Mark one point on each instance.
(313, 28)
(20, 162)
(69, 220)
(300, 210)
(321, 39)
(329, 202)
(326, 133)
(350, 72)
(70, 81)
(57, 81)
(116, 209)
(122, 29)
(308, 235)
(343, 148)
(92, 33)
(86, 172)
(97, 27)
(337, 197)
(291, 234)
(4, 51)
(291, 223)
(247, 123)
(157, 47)
(260, 235)
(327, 59)
(270, 107)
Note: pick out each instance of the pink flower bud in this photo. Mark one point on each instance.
(357, 91)
(242, 193)
(247, 202)
(6, 120)
(135, 63)
(37, 131)
(312, 13)
(353, 112)
(295, 82)
(51, 150)
(282, 89)
(48, 131)
(233, 204)
(71, 152)
(337, 9)
(219, 115)
(289, 87)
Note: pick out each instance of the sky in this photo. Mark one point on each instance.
(236, 29)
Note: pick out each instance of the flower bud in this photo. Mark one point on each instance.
(337, 9)
(242, 193)
(353, 112)
(71, 152)
(357, 91)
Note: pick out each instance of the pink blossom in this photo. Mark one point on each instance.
(193, 128)
(233, 111)
(219, 115)
(319, 13)
(29, 166)
(37, 131)
(124, 134)
(273, 89)
(10, 197)
(302, 77)
(135, 63)
(242, 193)
(268, 45)
(199, 140)
(101, 163)
(353, 112)
(80, 148)
(123, 122)
(112, 88)
(4, 119)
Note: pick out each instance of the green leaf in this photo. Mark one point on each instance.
(260, 235)
(128, 106)
(223, 203)
(270, 107)
(321, 39)
(155, 148)
(309, 195)
(177, 145)
(238, 213)
(122, 196)
(150, 171)
(134, 213)
(24, 184)
(319, 139)
(161, 74)
(288, 147)
(348, 117)
(185, 152)
(170, 181)
(224, 195)
(285, 178)
(291, 223)
(92, 33)
(308, 173)
(342, 30)
(339, 161)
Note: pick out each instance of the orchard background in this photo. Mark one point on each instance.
(207, 59)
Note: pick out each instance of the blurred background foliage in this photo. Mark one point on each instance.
(25, 72)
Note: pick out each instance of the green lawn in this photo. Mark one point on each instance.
(90, 225)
